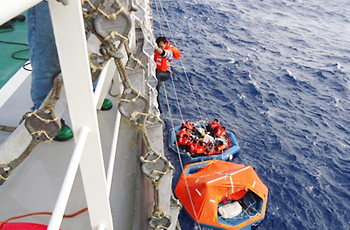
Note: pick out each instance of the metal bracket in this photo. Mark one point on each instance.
(42, 125)
(155, 166)
(133, 105)
(159, 221)
(112, 23)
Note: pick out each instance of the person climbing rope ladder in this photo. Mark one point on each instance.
(163, 56)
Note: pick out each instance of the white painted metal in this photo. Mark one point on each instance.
(60, 207)
(70, 37)
(113, 152)
(101, 227)
(12, 148)
(104, 82)
(10, 9)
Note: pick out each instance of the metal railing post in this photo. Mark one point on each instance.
(69, 31)
(61, 203)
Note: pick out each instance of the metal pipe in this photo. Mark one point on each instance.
(104, 81)
(101, 227)
(61, 203)
(113, 152)
(11, 9)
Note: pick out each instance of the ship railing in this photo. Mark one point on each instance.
(72, 49)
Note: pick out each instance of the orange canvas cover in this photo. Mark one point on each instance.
(214, 183)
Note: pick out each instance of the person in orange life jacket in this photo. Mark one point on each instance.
(209, 148)
(221, 132)
(163, 56)
(215, 148)
(220, 146)
(187, 124)
(197, 147)
(181, 132)
(213, 127)
(183, 139)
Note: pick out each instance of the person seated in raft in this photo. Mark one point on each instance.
(209, 148)
(220, 146)
(197, 147)
(215, 148)
(213, 127)
(188, 125)
(192, 129)
(221, 132)
(183, 139)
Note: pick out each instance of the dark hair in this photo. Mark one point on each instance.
(161, 39)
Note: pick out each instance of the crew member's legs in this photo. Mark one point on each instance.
(161, 76)
(44, 58)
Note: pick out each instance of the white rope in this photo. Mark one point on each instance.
(182, 64)
(161, 26)
(179, 155)
(177, 99)
(170, 115)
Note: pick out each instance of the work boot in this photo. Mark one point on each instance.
(107, 104)
(65, 134)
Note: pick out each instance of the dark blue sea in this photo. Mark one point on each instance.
(277, 73)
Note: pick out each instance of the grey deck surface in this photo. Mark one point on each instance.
(34, 186)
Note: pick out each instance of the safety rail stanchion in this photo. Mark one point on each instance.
(57, 215)
(104, 81)
(113, 152)
(69, 29)
(101, 227)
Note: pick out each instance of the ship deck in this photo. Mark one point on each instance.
(34, 186)
(12, 41)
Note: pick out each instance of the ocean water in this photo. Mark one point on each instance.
(277, 73)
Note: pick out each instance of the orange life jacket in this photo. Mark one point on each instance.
(197, 148)
(188, 125)
(221, 133)
(161, 62)
(183, 137)
(214, 125)
(181, 132)
(183, 140)
(215, 149)
(221, 147)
